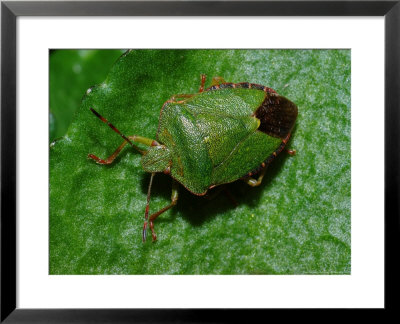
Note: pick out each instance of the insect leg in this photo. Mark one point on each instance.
(174, 99)
(174, 201)
(138, 139)
(203, 82)
(112, 157)
(146, 213)
(231, 197)
(212, 195)
(253, 182)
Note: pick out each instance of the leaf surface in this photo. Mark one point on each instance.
(71, 73)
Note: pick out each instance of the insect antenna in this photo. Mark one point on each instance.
(146, 213)
(115, 130)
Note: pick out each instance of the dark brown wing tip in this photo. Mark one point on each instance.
(277, 115)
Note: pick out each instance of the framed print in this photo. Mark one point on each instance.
(177, 161)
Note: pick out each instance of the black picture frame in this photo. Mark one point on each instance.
(11, 10)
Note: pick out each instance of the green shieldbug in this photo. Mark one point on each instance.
(227, 132)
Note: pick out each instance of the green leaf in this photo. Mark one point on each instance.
(296, 222)
(72, 72)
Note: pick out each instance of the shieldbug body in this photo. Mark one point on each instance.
(227, 132)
